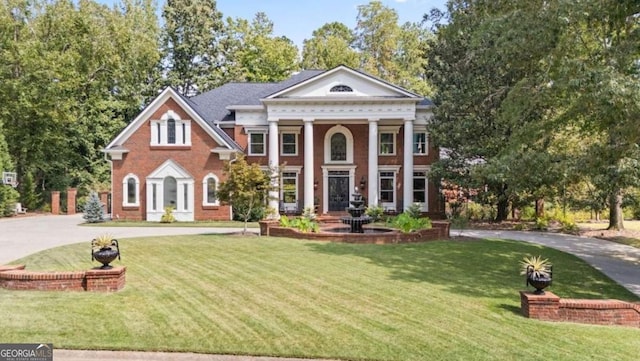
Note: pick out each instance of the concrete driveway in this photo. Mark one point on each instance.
(22, 236)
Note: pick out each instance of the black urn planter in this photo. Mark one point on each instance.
(539, 282)
(107, 254)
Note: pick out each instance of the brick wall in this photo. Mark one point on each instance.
(550, 307)
(97, 280)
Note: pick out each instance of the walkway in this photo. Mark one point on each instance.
(618, 261)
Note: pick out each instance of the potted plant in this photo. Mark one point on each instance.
(104, 249)
(538, 271)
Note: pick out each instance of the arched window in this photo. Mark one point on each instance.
(171, 131)
(170, 186)
(338, 147)
(210, 190)
(130, 191)
(341, 89)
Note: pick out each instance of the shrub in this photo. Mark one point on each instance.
(93, 212)
(8, 199)
(414, 211)
(167, 217)
(541, 224)
(257, 213)
(375, 212)
(285, 221)
(405, 223)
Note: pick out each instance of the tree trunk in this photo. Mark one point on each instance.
(503, 205)
(540, 208)
(615, 211)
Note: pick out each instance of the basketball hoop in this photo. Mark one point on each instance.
(10, 178)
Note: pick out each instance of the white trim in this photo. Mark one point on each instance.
(426, 169)
(296, 171)
(125, 191)
(327, 144)
(184, 208)
(182, 131)
(325, 181)
(165, 95)
(205, 190)
(388, 129)
(295, 130)
(394, 204)
(264, 143)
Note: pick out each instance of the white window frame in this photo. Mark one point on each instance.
(422, 169)
(289, 130)
(205, 190)
(426, 142)
(327, 145)
(387, 129)
(125, 191)
(296, 170)
(395, 169)
(160, 130)
(264, 143)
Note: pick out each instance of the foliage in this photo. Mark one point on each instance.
(414, 210)
(376, 212)
(304, 224)
(329, 47)
(535, 267)
(71, 75)
(407, 224)
(256, 213)
(541, 224)
(8, 199)
(28, 195)
(104, 240)
(309, 213)
(246, 188)
(168, 217)
(190, 45)
(93, 209)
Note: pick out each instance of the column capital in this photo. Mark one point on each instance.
(308, 120)
(374, 120)
(272, 120)
(409, 119)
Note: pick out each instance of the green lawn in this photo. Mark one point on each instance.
(448, 300)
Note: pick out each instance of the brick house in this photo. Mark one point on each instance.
(333, 130)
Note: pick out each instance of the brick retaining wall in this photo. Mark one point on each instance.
(96, 280)
(550, 307)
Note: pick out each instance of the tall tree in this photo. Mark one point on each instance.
(377, 33)
(190, 45)
(329, 47)
(253, 53)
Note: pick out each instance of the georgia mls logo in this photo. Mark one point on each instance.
(26, 352)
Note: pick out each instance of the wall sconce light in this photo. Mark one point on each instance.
(315, 185)
(363, 182)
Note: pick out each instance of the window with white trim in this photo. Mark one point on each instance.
(257, 144)
(171, 130)
(420, 189)
(289, 143)
(387, 140)
(338, 147)
(210, 190)
(130, 191)
(289, 190)
(420, 143)
(387, 187)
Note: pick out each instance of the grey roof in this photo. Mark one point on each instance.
(212, 104)
(230, 141)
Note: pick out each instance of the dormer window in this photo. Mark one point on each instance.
(341, 89)
(171, 130)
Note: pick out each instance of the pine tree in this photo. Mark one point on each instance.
(93, 212)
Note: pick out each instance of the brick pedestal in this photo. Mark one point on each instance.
(106, 280)
(55, 202)
(542, 307)
(71, 200)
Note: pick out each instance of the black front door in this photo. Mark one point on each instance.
(338, 190)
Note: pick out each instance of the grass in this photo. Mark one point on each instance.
(448, 300)
(215, 224)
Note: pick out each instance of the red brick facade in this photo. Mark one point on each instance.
(96, 280)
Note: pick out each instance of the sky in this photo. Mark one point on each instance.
(297, 19)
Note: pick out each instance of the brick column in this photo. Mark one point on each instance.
(71, 200)
(104, 199)
(541, 307)
(55, 202)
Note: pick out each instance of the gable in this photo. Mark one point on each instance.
(343, 82)
(170, 169)
(168, 100)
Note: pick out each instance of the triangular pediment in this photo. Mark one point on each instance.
(170, 169)
(343, 82)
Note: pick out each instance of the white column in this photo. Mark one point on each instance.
(308, 163)
(372, 182)
(274, 151)
(407, 185)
